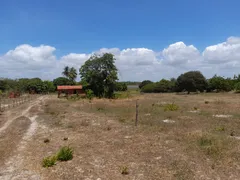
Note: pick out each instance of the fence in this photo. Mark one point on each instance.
(7, 103)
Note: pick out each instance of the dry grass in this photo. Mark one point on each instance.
(102, 133)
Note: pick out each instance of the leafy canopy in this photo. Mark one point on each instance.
(100, 74)
(192, 81)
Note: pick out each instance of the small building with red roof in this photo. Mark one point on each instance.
(69, 90)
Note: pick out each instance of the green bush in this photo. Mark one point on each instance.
(120, 86)
(171, 107)
(49, 161)
(149, 88)
(89, 94)
(65, 153)
(237, 87)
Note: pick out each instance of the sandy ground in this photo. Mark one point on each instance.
(104, 145)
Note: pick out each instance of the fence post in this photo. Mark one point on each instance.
(136, 121)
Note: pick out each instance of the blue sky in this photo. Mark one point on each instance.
(76, 26)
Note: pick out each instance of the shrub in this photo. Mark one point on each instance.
(49, 161)
(65, 153)
(124, 170)
(171, 107)
(237, 87)
(89, 94)
(120, 86)
(144, 83)
(218, 83)
(149, 88)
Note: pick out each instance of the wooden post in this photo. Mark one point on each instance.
(136, 121)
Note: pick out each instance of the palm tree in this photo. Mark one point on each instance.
(66, 72)
(72, 74)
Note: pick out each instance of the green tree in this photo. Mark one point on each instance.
(237, 87)
(218, 83)
(49, 86)
(149, 88)
(192, 81)
(143, 83)
(60, 81)
(65, 72)
(121, 86)
(164, 86)
(72, 74)
(100, 73)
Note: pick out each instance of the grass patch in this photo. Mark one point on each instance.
(65, 153)
(49, 161)
(124, 170)
(171, 107)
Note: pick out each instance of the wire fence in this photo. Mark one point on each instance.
(8, 103)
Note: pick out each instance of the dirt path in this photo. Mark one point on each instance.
(18, 129)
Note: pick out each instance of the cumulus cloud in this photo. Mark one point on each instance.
(132, 63)
(225, 52)
(180, 54)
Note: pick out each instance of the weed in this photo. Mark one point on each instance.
(65, 153)
(122, 120)
(49, 161)
(204, 141)
(171, 107)
(220, 128)
(46, 140)
(100, 109)
(212, 146)
(124, 170)
(84, 123)
(232, 133)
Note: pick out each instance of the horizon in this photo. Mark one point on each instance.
(150, 39)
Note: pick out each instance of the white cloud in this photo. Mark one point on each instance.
(180, 54)
(225, 52)
(133, 63)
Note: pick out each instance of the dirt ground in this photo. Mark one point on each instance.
(200, 140)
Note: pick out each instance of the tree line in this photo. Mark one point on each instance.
(192, 81)
(99, 77)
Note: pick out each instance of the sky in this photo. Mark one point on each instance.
(151, 39)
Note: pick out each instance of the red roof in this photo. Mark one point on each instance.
(69, 87)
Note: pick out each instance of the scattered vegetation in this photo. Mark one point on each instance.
(49, 161)
(124, 170)
(171, 107)
(65, 154)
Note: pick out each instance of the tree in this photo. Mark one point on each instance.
(143, 83)
(237, 87)
(50, 86)
(60, 81)
(72, 74)
(100, 73)
(218, 83)
(149, 88)
(164, 86)
(66, 71)
(120, 86)
(192, 81)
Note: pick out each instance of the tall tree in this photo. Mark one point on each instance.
(100, 73)
(72, 75)
(66, 71)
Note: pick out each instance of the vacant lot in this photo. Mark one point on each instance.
(177, 137)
